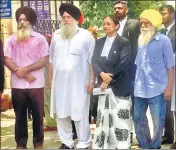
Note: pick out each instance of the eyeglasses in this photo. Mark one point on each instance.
(121, 2)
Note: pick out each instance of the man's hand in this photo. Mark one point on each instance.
(168, 93)
(21, 72)
(103, 86)
(106, 77)
(90, 87)
(29, 78)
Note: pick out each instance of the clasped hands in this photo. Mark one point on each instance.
(23, 73)
(107, 78)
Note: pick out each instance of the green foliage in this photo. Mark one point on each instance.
(95, 10)
(136, 7)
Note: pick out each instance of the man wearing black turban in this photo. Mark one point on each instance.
(70, 9)
(26, 54)
(71, 50)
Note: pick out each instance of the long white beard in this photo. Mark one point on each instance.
(146, 35)
(67, 31)
(23, 32)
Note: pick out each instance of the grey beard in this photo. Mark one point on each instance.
(23, 34)
(67, 31)
(146, 36)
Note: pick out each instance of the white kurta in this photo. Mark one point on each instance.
(70, 59)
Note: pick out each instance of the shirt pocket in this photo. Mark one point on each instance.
(75, 57)
(75, 52)
(154, 58)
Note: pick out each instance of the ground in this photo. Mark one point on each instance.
(51, 140)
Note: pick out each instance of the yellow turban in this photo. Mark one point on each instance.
(153, 16)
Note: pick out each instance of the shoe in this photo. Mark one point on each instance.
(38, 147)
(21, 147)
(166, 141)
(63, 146)
(75, 136)
(156, 148)
(173, 146)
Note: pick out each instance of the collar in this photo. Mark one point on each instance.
(32, 33)
(156, 37)
(110, 38)
(123, 21)
(169, 27)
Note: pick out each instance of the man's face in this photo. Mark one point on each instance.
(145, 23)
(22, 21)
(120, 10)
(67, 19)
(166, 16)
(68, 26)
(147, 32)
(24, 28)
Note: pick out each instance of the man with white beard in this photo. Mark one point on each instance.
(71, 50)
(154, 79)
(26, 53)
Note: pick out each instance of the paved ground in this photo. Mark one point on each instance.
(51, 138)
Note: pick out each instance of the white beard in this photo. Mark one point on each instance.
(146, 35)
(67, 31)
(23, 33)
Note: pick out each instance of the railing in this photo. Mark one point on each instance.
(46, 26)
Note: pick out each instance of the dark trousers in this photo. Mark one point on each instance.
(169, 123)
(73, 127)
(21, 100)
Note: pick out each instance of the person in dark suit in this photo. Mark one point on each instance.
(1, 68)
(111, 62)
(167, 12)
(130, 29)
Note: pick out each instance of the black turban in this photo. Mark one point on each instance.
(70, 9)
(30, 14)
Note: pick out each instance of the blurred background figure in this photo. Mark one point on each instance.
(94, 31)
(1, 68)
(93, 98)
(50, 123)
(168, 19)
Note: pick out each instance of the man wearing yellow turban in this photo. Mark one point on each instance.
(154, 79)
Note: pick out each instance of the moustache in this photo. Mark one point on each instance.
(22, 26)
(144, 29)
(117, 13)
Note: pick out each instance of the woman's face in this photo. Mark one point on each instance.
(109, 26)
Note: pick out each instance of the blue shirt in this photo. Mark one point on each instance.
(153, 62)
